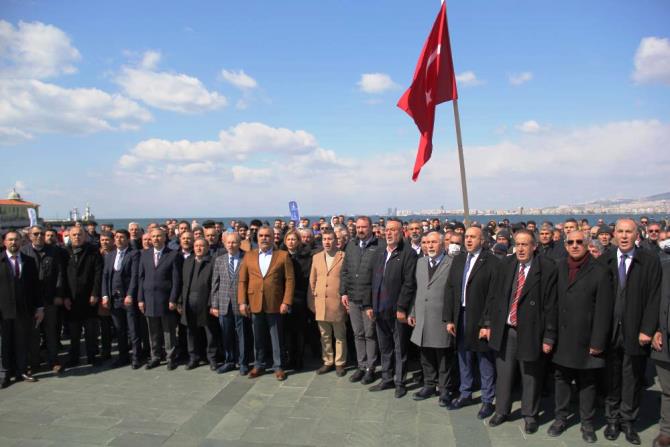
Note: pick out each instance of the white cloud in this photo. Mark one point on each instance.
(32, 106)
(168, 91)
(13, 135)
(652, 61)
(520, 78)
(376, 83)
(530, 126)
(35, 50)
(468, 79)
(239, 79)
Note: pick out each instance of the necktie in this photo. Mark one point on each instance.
(118, 260)
(17, 271)
(468, 260)
(521, 280)
(432, 263)
(157, 257)
(622, 271)
(231, 267)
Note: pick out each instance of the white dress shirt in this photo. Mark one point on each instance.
(118, 260)
(264, 259)
(629, 258)
(473, 258)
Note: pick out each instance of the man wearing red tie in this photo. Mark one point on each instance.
(520, 324)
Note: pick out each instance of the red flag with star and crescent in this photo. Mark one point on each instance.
(434, 82)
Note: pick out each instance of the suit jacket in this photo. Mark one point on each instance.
(553, 250)
(19, 297)
(266, 293)
(324, 297)
(663, 323)
(195, 293)
(428, 307)
(584, 315)
(159, 285)
(356, 273)
(393, 282)
(302, 263)
(84, 274)
(479, 290)
(224, 287)
(51, 272)
(536, 310)
(642, 297)
(128, 276)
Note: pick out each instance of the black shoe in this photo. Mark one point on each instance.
(244, 370)
(445, 400)
(212, 366)
(589, 435)
(485, 411)
(496, 420)
(424, 393)
(136, 365)
(381, 386)
(369, 377)
(27, 377)
(226, 367)
(189, 366)
(400, 391)
(459, 403)
(340, 371)
(152, 364)
(357, 376)
(557, 428)
(171, 366)
(631, 434)
(530, 426)
(612, 431)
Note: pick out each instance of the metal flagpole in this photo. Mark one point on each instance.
(461, 162)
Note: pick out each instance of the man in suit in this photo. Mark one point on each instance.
(585, 302)
(547, 246)
(265, 290)
(469, 286)
(119, 294)
(637, 283)
(84, 274)
(159, 285)
(661, 356)
(355, 286)
(436, 345)
(21, 309)
(236, 330)
(520, 324)
(393, 288)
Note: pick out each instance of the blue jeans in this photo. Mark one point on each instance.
(262, 323)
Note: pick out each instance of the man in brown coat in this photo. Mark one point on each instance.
(324, 300)
(265, 290)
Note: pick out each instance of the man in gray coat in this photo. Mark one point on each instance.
(429, 333)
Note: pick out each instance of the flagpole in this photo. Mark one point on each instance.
(461, 162)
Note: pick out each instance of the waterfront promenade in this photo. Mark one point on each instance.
(121, 407)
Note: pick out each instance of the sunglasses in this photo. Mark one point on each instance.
(37, 233)
(575, 242)
(653, 231)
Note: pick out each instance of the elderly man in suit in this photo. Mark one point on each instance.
(159, 285)
(119, 293)
(325, 302)
(265, 290)
(235, 328)
(637, 283)
(21, 309)
(393, 288)
(520, 324)
(661, 356)
(469, 286)
(436, 345)
(84, 274)
(585, 302)
(194, 303)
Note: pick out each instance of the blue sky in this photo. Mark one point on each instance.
(126, 105)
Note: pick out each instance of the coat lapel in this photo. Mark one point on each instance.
(337, 260)
(533, 277)
(478, 264)
(441, 268)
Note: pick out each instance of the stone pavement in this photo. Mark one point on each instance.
(98, 406)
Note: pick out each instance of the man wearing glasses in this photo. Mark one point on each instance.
(653, 234)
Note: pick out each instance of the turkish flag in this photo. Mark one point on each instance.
(434, 82)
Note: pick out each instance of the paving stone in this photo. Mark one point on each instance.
(138, 440)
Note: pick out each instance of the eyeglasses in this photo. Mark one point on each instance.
(653, 231)
(575, 242)
(37, 233)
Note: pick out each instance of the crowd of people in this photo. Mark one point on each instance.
(575, 307)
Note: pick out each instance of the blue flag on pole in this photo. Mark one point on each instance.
(295, 212)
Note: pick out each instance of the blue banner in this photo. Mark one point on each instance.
(295, 212)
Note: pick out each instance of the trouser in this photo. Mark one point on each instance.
(365, 338)
(228, 336)
(90, 326)
(106, 325)
(439, 369)
(531, 378)
(14, 346)
(586, 385)
(295, 328)
(51, 333)
(126, 323)
(143, 332)
(663, 372)
(466, 365)
(624, 386)
(194, 340)
(163, 336)
(262, 324)
(393, 339)
(245, 340)
(338, 329)
(34, 347)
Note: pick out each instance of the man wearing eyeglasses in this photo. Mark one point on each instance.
(585, 304)
(651, 242)
(637, 281)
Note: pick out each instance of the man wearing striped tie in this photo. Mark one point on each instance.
(520, 324)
